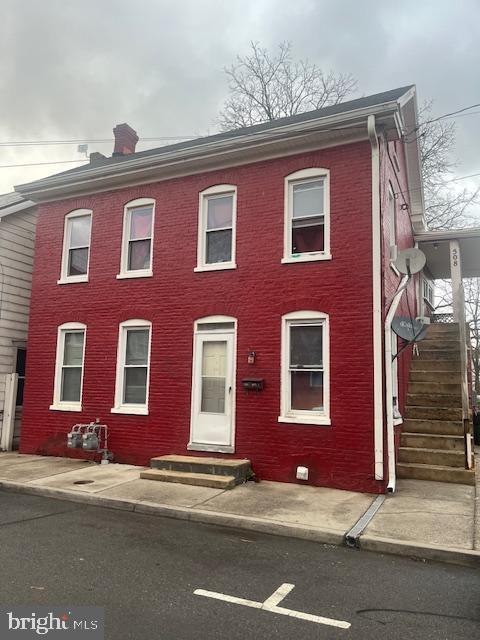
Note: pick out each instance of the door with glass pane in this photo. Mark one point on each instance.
(213, 393)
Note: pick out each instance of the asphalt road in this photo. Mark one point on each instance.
(144, 571)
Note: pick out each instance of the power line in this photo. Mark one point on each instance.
(471, 175)
(38, 164)
(40, 143)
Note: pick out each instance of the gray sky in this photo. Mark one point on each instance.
(74, 68)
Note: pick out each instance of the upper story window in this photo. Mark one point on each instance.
(216, 228)
(137, 242)
(305, 368)
(307, 216)
(392, 223)
(76, 246)
(133, 367)
(67, 394)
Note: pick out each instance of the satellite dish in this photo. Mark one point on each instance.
(410, 261)
(408, 329)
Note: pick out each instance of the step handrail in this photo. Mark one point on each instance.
(462, 322)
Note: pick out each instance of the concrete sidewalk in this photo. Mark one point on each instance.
(427, 520)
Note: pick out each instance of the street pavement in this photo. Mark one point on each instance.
(145, 570)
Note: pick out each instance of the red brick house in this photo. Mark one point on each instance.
(169, 283)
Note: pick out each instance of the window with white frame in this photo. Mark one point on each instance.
(428, 292)
(307, 216)
(133, 367)
(216, 228)
(137, 242)
(76, 246)
(68, 384)
(305, 368)
(392, 223)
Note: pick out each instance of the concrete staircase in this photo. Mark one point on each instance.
(432, 445)
(218, 473)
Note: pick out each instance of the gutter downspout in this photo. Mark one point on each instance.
(377, 301)
(392, 476)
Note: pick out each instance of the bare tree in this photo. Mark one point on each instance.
(446, 207)
(265, 86)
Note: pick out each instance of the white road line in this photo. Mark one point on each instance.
(276, 597)
(270, 604)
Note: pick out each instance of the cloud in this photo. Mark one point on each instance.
(74, 68)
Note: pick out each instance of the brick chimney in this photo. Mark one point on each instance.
(125, 140)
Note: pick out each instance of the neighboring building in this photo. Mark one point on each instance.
(230, 295)
(17, 239)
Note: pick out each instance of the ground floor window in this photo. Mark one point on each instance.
(305, 368)
(133, 367)
(67, 393)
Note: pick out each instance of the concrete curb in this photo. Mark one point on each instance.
(451, 555)
(367, 542)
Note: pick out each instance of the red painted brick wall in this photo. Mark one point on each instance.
(257, 293)
(393, 171)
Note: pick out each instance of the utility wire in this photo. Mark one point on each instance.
(38, 164)
(41, 143)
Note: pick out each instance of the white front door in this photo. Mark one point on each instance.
(213, 393)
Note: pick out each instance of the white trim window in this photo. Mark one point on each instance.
(133, 367)
(428, 292)
(305, 386)
(67, 393)
(307, 216)
(76, 246)
(137, 239)
(217, 228)
(392, 226)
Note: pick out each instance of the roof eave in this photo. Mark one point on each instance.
(133, 171)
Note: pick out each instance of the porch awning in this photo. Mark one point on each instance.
(436, 246)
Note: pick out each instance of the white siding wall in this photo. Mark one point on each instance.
(17, 239)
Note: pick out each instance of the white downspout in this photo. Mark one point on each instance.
(392, 475)
(377, 301)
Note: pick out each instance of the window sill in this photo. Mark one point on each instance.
(313, 420)
(397, 421)
(135, 274)
(307, 257)
(132, 410)
(73, 280)
(65, 407)
(221, 266)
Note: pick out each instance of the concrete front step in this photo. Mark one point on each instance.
(427, 353)
(445, 400)
(417, 412)
(436, 388)
(432, 441)
(238, 468)
(438, 457)
(422, 364)
(438, 473)
(435, 375)
(195, 479)
(433, 427)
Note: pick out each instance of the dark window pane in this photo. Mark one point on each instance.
(71, 383)
(219, 212)
(306, 239)
(306, 346)
(135, 386)
(139, 255)
(137, 346)
(21, 360)
(219, 246)
(141, 223)
(77, 262)
(308, 199)
(80, 231)
(20, 387)
(305, 396)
